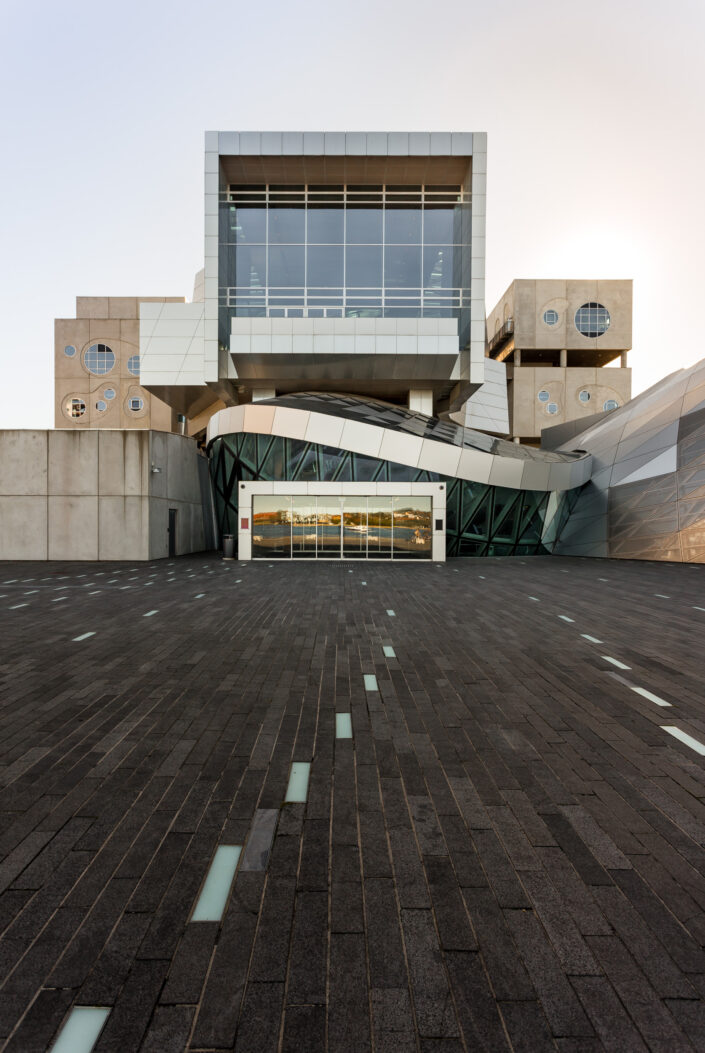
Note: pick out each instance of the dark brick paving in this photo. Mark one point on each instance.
(509, 854)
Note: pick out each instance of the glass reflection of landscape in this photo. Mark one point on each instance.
(347, 527)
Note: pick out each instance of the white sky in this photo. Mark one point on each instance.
(594, 114)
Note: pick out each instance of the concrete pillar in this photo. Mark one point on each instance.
(421, 401)
(516, 439)
(517, 356)
(623, 359)
(263, 393)
(564, 358)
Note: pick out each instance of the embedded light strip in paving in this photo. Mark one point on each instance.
(391, 614)
(150, 613)
(370, 682)
(343, 726)
(77, 639)
(565, 618)
(651, 697)
(592, 639)
(211, 903)
(81, 1029)
(297, 788)
(614, 661)
(683, 736)
(389, 652)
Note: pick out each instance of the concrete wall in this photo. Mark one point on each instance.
(528, 416)
(91, 494)
(113, 321)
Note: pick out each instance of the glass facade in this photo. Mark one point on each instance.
(341, 527)
(481, 520)
(344, 251)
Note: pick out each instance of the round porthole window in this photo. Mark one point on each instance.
(109, 393)
(610, 404)
(69, 350)
(584, 395)
(552, 407)
(75, 407)
(101, 406)
(99, 359)
(550, 317)
(133, 365)
(543, 396)
(135, 404)
(592, 319)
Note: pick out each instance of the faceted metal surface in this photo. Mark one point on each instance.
(646, 498)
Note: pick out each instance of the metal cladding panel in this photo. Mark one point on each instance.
(655, 485)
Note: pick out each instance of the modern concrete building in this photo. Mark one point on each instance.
(336, 363)
(564, 344)
(97, 367)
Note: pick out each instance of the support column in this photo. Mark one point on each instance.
(564, 358)
(421, 401)
(623, 360)
(263, 393)
(517, 356)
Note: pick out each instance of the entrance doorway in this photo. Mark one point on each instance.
(172, 531)
(341, 527)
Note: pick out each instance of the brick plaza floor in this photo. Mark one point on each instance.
(508, 854)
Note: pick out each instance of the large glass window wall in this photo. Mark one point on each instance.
(341, 527)
(345, 251)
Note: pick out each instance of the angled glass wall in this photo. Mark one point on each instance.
(481, 520)
(344, 251)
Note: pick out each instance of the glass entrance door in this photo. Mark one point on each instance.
(328, 522)
(303, 528)
(355, 528)
(338, 526)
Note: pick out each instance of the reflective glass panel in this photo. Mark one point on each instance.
(271, 527)
(364, 225)
(355, 528)
(364, 266)
(379, 527)
(402, 266)
(328, 527)
(249, 225)
(246, 266)
(325, 226)
(402, 226)
(438, 226)
(325, 265)
(438, 267)
(286, 265)
(412, 527)
(287, 225)
(304, 527)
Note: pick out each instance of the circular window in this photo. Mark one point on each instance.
(101, 406)
(610, 404)
(69, 350)
(584, 395)
(552, 407)
(99, 359)
(109, 393)
(75, 407)
(135, 404)
(543, 396)
(592, 319)
(550, 317)
(133, 365)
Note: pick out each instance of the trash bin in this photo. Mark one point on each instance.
(228, 546)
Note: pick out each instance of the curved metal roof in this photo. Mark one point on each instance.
(397, 418)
